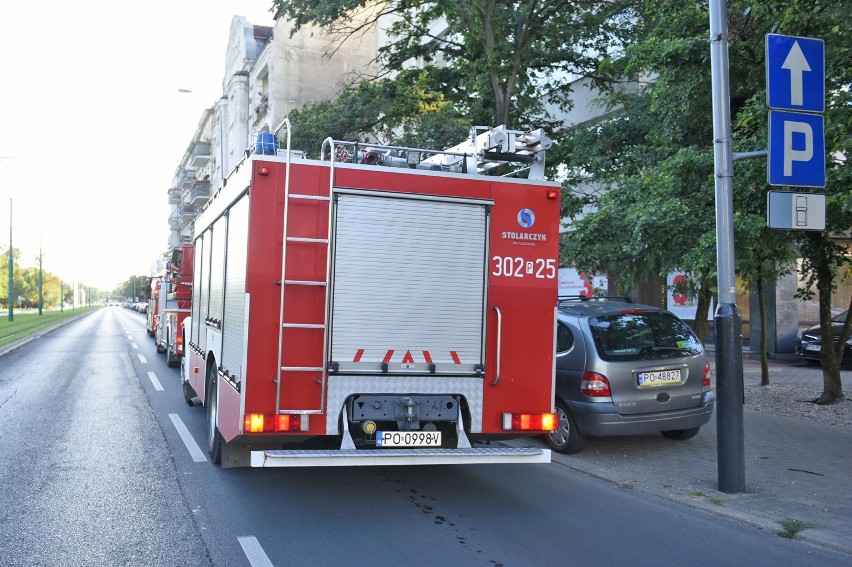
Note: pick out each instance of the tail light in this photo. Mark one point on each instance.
(706, 374)
(529, 421)
(266, 423)
(595, 385)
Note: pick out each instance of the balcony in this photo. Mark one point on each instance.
(200, 155)
(188, 212)
(200, 192)
(174, 222)
(174, 196)
(261, 109)
(187, 178)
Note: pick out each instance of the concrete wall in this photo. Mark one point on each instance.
(782, 316)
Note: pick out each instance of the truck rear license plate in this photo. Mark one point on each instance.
(659, 378)
(408, 439)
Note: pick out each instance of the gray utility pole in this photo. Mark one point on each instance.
(728, 326)
(40, 280)
(11, 269)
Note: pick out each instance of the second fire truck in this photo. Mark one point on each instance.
(179, 276)
(381, 305)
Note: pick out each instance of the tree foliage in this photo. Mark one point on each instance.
(647, 204)
(652, 157)
(25, 282)
(502, 60)
(407, 110)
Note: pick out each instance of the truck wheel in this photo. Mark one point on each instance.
(565, 438)
(214, 438)
(172, 360)
(188, 393)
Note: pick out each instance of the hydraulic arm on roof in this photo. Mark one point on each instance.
(485, 151)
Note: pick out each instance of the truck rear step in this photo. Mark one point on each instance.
(379, 457)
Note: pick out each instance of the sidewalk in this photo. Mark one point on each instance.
(798, 472)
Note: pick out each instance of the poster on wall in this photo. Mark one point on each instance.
(573, 283)
(678, 302)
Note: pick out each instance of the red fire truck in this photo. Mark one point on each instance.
(179, 299)
(153, 313)
(384, 305)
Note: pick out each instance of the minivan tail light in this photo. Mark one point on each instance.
(595, 385)
(706, 374)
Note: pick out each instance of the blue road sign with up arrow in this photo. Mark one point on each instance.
(795, 73)
(795, 91)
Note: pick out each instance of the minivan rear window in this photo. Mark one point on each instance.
(643, 335)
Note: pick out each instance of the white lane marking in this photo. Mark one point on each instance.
(134, 345)
(155, 382)
(141, 358)
(193, 448)
(254, 552)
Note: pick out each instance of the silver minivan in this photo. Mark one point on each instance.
(627, 369)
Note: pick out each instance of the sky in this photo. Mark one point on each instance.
(93, 125)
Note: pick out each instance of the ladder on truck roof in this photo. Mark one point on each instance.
(485, 151)
(320, 285)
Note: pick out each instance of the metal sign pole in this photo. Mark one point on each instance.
(729, 357)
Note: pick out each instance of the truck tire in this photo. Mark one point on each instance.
(188, 393)
(214, 438)
(172, 359)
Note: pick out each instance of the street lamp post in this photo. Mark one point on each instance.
(40, 280)
(11, 269)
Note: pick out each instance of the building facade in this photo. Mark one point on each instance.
(268, 73)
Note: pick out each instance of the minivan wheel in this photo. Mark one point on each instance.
(565, 438)
(681, 434)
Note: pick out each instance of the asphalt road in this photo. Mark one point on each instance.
(101, 466)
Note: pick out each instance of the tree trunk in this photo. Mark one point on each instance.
(832, 390)
(764, 359)
(705, 297)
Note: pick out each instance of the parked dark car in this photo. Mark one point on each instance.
(809, 342)
(627, 369)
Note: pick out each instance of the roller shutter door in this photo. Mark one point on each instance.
(408, 284)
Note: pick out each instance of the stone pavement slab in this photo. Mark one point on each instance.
(796, 470)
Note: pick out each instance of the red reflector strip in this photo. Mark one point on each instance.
(427, 356)
(455, 356)
(388, 357)
(408, 359)
(358, 355)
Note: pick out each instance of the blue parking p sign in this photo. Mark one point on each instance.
(796, 149)
(795, 73)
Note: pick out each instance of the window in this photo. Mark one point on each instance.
(643, 335)
(564, 338)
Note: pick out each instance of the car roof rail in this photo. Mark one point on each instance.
(572, 298)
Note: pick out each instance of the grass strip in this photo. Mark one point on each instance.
(28, 323)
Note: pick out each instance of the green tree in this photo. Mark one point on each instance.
(651, 158)
(408, 110)
(500, 61)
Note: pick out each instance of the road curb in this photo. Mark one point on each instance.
(13, 346)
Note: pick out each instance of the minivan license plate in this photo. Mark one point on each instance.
(659, 378)
(408, 439)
